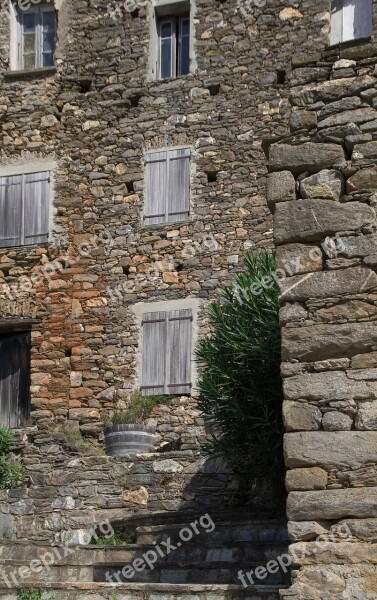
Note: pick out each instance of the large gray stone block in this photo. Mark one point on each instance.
(332, 504)
(365, 179)
(368, 150)
(327, 284)
(305, 157)
(326, 449)
(359, 115)
(328, 341)
(329, 91)
(328, 387)
(360, 245)
(314, 219)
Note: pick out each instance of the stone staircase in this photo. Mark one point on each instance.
(167, 566)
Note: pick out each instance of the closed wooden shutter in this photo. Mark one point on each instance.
(179, 352)
(24, 209)
(10, 211)
(14, 379)
(156, 183)
(167, 196)
(178, 185)
(167, 341)
(154, 353)
(36, 206)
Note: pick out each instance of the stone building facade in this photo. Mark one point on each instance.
(262, 81)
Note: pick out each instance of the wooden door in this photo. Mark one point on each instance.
(14, 379)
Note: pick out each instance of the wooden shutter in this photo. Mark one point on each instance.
(363, 18)
(178, 200)
(154, 353)
(155, 194)
(14, 379)
(10, 211)
(36, 204)
(179, 344)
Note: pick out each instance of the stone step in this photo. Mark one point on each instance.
(183, 572)
(266, 531)
(233, 515)
(145, 591)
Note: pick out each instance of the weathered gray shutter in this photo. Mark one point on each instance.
(178, 194)
(155, 194)
(179, 342)
(10, 211)
(14, 379)
(363, 18)
(36, 205)
(154, 353)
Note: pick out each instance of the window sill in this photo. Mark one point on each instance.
(28, 74)
(349, 44)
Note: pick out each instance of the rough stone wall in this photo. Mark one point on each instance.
(69, 493)
(96, 115)
(322, 190)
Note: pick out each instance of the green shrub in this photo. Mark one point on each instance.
(240, 386)
(25, 593)
(11, 474)
(119, 538)
(6, 440)
(138, 410)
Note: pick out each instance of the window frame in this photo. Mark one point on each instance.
(176, 45)
(17, 37)
(168, 216)
(168, 306)
(339, 26)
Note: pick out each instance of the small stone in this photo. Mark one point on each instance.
(325, 184)
(300, 416)
(335, 421)
(306, 479)
(281, 187)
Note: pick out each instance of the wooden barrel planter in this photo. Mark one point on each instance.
(121, 440)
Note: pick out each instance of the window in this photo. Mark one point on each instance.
(24, 209)
(167, 346)
(167, 194)
(350, 20)
(35, 37)
(173, 46)
(14, 379)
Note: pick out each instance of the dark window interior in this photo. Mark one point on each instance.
(14, 379)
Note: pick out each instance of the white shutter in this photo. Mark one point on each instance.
(36, 205)
(10, 211)
(154, 353)
(155, 193)
(336, 22)
(178, 185)
(179, 352)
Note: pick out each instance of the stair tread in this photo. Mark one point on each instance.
(168, 587)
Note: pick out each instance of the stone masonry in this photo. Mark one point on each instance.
(325, 224)
(263, 83)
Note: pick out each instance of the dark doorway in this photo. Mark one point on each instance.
(14, 379)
